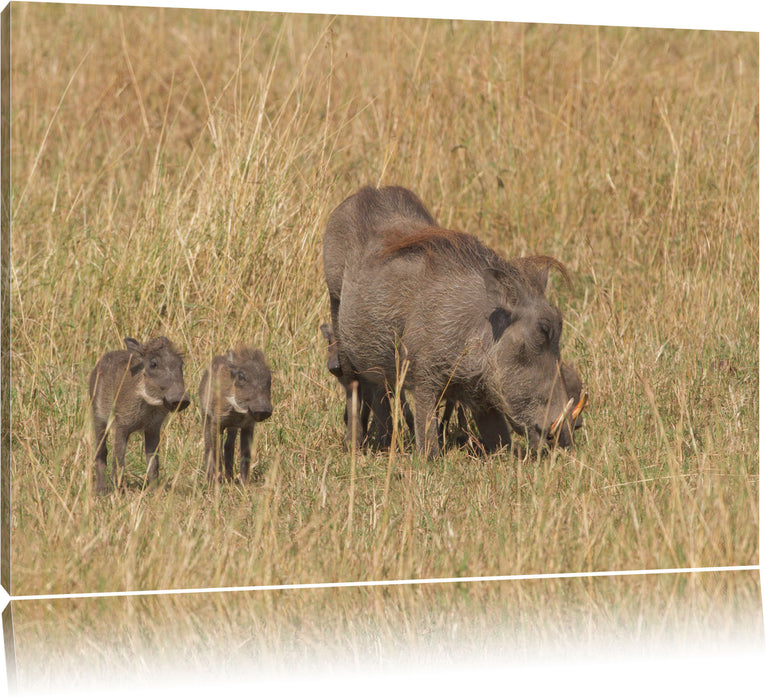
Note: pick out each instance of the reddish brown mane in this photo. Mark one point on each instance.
(432, 242)
(463, 248)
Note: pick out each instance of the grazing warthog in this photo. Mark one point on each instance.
(351, 226)
(234, 394)
(473, 327)
(134, 389)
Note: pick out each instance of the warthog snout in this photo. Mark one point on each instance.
(561, 432)
(260, 416)
(561, 416)
(177, 404)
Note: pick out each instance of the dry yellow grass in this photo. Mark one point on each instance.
(255, 636)
(172, 172)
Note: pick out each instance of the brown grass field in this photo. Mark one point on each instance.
(172, 172)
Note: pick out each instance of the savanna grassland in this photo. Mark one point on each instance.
(172, 172)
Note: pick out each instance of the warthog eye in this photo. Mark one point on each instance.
(240, 377)
(548, 329)
(152, 363)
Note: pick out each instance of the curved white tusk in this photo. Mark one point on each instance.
(555, 427)
(579, 407)
(232, 401)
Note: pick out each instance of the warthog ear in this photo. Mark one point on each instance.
(494, 289)
(230, 360)
(538, 269)
(134, 347)
(500, 320)
(547, 329)
(503, 315)
(138, 351)
(540, 277)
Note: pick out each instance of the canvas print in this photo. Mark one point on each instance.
(298, 299)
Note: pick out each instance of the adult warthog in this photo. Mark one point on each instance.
(473, 328)
(350, 228)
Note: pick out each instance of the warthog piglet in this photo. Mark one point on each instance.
(234, 394)
(130, 390)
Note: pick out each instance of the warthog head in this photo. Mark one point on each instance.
(160, 367)
(542, 396)
(251, 383)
